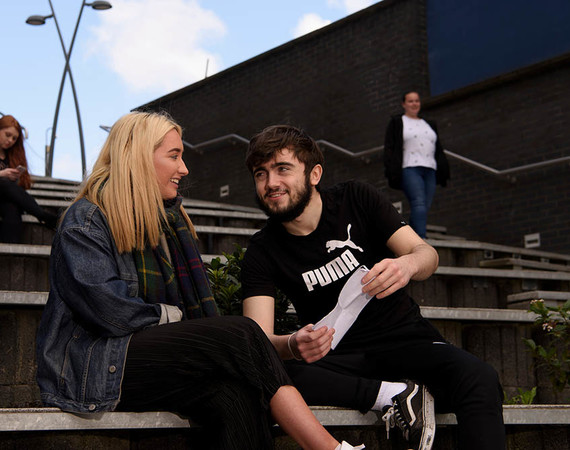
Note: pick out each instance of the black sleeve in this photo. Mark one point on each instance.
(393, 142)
(442, 172)
(389, 143)
(383, 218)
(256, 272)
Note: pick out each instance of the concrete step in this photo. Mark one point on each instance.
(44, 250)
(41, 251)
(24, 267)
(475, 287)
(521, 300)
(519, 263)
(437, 232)
(67, 195)
(57, 188)
(477, 314)
(502, 273)
(50, 180)
(205, 229)
(532, 427)
(220, 226)
(449, 287)
(23, 298)
(487, 250)
(429, 312)
(442, 236)
(50, 419)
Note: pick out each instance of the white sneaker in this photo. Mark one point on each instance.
(346, 446)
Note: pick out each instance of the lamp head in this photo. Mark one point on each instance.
(37, 20)
(100, 5)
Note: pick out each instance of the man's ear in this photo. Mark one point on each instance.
(316, 174)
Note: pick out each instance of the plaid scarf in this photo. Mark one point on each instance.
(180, 281)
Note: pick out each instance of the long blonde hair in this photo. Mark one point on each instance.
(123, 183)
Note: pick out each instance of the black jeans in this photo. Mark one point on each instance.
(459, 382)
(14, 200)
(221, 372)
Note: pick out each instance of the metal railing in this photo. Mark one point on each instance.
(507, 173)
(512, 172)
(232, 138)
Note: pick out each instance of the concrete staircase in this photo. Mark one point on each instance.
(477, 298)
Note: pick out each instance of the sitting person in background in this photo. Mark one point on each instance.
(14, 180)
(126, 277)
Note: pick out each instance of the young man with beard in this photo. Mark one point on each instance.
(313, 241)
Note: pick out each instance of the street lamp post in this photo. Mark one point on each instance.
(40, 20)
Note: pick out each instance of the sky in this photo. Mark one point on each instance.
(124, 57)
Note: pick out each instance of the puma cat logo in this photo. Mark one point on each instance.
(334, 244)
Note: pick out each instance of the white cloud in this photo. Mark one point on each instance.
(350, 6)
(158, 46)
(309, 22)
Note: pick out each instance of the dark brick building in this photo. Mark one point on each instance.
(341, 83)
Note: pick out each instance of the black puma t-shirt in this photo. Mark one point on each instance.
(356, 222)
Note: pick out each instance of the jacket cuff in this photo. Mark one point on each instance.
(169, 314)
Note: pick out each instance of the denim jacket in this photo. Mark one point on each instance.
(91, 313)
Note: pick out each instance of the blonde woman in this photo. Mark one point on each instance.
(126, 278)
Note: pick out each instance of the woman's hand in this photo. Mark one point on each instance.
(11, 174)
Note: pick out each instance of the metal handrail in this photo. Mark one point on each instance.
(348, 152)
(227, 137)
(510, 173)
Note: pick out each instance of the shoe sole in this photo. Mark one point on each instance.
(428, 432)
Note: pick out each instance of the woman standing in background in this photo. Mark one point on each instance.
(414, 160)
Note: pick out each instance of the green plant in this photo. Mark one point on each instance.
(523, 397)
(226, 287)
(224, 281)
(554, 352)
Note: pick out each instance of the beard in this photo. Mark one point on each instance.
(292, 211)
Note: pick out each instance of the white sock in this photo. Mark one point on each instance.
(386, 392)
(346, 446)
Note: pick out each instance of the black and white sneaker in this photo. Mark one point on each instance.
(412, 411)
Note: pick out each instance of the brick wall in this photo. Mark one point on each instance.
(341, 84)
(503, 125)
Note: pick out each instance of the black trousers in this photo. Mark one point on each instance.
(460, 383)
(14, 200)
(221, 372)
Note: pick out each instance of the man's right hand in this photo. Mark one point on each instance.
(311, 344)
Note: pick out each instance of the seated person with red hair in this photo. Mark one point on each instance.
(14, 180)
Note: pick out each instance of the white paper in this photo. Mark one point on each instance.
(351, 301)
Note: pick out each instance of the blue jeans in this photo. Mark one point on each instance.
(418, 184)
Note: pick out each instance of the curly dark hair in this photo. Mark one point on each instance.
(264, 145)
